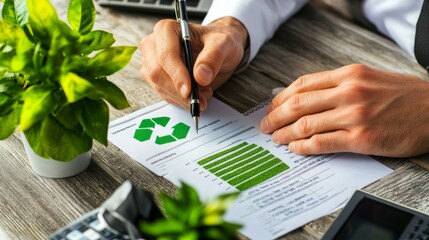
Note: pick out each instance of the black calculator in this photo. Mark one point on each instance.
(370, 217)
(196, 8)
(116, 219)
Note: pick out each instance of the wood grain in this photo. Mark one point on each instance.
(32, 207)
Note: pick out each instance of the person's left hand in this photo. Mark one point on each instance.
(352, 109)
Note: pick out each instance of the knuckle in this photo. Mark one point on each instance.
(294, 102)
(304, 126)
(158, 89)
(300, 82)
(358, 71)
(318, 144)
(163, 24)
(144, 42)
(153, 75)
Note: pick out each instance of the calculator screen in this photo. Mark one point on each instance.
(374, 220)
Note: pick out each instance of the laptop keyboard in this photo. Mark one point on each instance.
(196, 8)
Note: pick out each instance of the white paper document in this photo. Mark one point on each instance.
(279, 190)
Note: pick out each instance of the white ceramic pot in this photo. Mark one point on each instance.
(55, 169)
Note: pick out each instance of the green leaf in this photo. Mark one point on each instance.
(163, 227)
(189, 195)
(68, 117)
(39, 102)
(94, 41)
(81, 15)
(12, 35)
(6, 60)
(111, 93)
(75, 87)
(22, 63)
(93, 115)
(46, 25)
(61, 143)
(6, 104)
(171, 206)
(34, 138)
(192, 235)
(43, 18)
(9, 123)
(15, 11)
(110, 60)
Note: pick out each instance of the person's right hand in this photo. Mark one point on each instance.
(218, 48)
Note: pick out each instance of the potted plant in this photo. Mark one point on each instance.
(53, 82)
(187, 217)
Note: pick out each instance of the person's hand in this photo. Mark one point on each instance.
(218, 48)
(352, 109)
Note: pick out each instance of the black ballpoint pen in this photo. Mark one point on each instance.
(182, 18)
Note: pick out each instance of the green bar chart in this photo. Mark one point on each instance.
(243, 165)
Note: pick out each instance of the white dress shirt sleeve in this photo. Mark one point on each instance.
(260, 17)
(396, 19)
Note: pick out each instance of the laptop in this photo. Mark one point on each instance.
(195, 8)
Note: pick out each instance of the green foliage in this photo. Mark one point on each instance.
(186, 217)
(53, 81)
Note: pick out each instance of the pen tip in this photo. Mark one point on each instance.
(196, 123)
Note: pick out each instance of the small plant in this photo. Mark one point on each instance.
(53, 81)
(186, 217)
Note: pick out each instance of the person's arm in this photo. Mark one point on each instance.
(219, 46)
(396, 19)
(358, 108)
(260, 17)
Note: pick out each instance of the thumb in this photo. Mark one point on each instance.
(207, 65)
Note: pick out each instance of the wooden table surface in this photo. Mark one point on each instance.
(32, 207)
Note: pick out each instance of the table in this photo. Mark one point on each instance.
(32, 207)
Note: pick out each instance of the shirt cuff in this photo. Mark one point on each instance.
(260, 17)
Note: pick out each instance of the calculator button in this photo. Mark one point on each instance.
(92, 235)
(192, 3)
(58, 237)
(166, 2)
(96, 225)
(107, 234)
(149, 1)
(75, 235)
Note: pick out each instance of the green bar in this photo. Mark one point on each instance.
(232, 155)
(246, 176)
(247, 167)
(240, 163)
(235, 160)
(219, 154)
(262, 177)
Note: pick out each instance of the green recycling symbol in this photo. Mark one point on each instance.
(145, 130)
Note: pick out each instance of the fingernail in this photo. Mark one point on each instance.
(205, 73)
(263, 126)
(276, 137)
(184, 91)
